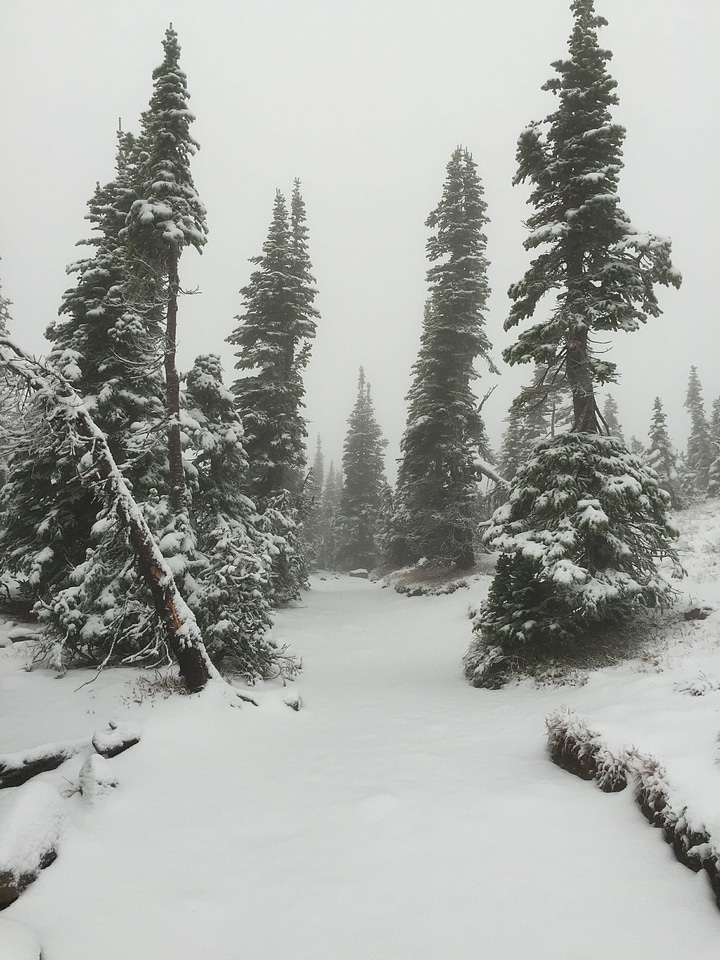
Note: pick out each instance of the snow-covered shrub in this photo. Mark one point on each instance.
(579, 538)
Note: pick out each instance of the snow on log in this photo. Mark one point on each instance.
(579, 750)
(120, 737)
(18, 768)
(183, 634)
(31, 821)
(489, 471)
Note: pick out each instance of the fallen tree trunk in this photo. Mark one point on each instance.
(183, 634)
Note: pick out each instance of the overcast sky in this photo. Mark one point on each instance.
(364, 102)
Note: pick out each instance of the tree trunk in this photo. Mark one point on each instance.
(182, 632)
(172, 391)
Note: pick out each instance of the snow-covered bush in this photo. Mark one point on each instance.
(579, 538)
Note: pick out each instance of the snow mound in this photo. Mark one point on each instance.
(97, 778)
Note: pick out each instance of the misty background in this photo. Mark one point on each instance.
(363, 102)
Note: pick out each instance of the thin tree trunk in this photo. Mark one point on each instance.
(182, 632)
(172, 392)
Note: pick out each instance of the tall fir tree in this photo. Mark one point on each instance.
(445, 433)
(167, 217)
(108, 349)
(358, 517)
(585, 520)
(274, 337)
(699, 455)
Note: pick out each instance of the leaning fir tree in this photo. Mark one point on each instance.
(585, 521)
(445, 433)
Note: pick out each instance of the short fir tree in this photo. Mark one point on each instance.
(358, 517)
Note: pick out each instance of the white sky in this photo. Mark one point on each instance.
(365, 103)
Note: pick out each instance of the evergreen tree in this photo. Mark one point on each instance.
(364, 471)
(599, 269)
(585, 520)
(312, 523)
(610, 416)
(166, 217)
(108, 348)
(328, 538)
(444, 431)
(661, 455)
(274, 336)
(699, 455)
(229, 584)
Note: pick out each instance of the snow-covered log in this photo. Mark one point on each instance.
(183, 634)
(18, 768)
(31, 821)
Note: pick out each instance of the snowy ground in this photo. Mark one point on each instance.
(398, 814)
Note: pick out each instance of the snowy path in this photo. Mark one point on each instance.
(400, 814)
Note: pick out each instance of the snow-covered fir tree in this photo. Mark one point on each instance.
(229, 584)
(699, 455)
(585, 520)
(274, 337)
(358, 516)
(108, 347)
(167, 217)
(445, 433)
(661, 455)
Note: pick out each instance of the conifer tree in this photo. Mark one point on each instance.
(107, 346)
(713, 487)
(585, 520)
(699, 454)
(328, 538)
(364, 472)
(229, 583)
(312, 523)
(661, 455)
(444, 431)
(165, 219)
(274, 335)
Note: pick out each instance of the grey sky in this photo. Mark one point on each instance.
(364, 102)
